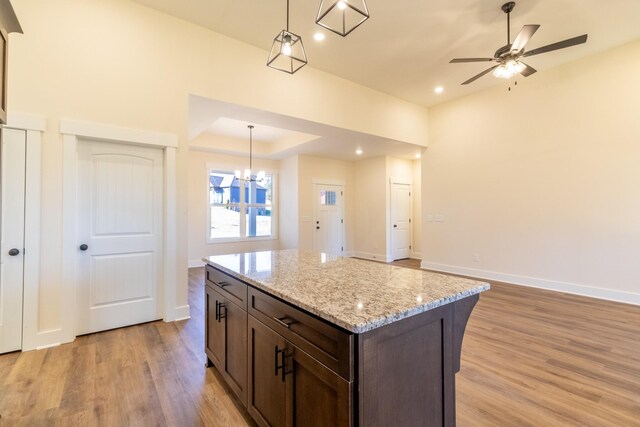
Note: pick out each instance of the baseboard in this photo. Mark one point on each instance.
(193, 263)
(533, 282)
(416, 255)
(371, 256)
(182, 313)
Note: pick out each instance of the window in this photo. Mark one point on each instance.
(239, 209)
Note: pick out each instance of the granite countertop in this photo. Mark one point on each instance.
(354, 294)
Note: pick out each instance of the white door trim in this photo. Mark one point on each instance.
(71, 130)
(34, 125)
(391, 256)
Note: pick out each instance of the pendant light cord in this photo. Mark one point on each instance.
(287, 16)
(508, 27)
(250, 148)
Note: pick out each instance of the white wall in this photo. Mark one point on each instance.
(119, 63)
(371, 195)
(288, 201)
(199, 205)
(541, 182)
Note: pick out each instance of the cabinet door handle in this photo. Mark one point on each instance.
(277, 352)
(281, 367)
(284, 321)
(220, 315)
(217, 310)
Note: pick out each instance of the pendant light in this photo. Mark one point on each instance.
(248, 172)
(287, 51)
(342, 16)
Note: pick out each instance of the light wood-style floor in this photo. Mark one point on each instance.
(529, 358)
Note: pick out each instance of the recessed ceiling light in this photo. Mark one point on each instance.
(418, 155)
(438, 89)
(358, 151)
(318, 36)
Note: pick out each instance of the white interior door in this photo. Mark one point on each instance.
(120, 200)
(328, 221)
(12, 242)
(401, 220)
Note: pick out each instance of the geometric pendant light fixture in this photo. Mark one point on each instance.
(342, 16)
(287, 51)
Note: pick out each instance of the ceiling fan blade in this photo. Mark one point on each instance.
(559, 45)
(523, 37)
(471, 60)
(528, 71)
(477, 76)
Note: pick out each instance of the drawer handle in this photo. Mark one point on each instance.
(223, 284)
(284, 321)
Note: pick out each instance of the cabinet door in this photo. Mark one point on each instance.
(316, 396)
(214, 328)
(266, 401)
(234, 320)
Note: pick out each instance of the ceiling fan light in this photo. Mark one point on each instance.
(509, 69)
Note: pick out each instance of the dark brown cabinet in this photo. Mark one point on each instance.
(292, 368)
(226, 340)
(287, 387)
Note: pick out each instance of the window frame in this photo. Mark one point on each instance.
(215, 167)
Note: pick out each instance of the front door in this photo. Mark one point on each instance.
(328, 221)
(120, 200)
(401, 220)
(14, 143)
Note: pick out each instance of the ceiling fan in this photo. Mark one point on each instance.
(508, 56)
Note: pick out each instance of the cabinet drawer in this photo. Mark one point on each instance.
(229, 286)
(326, 343)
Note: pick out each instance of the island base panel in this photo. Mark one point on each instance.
(406, 372)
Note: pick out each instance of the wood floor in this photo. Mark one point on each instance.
(529, 358)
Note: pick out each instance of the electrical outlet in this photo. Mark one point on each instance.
(439, 218)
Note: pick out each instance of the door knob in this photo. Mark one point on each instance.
(14, 252)
(395, 225)
(83, 247)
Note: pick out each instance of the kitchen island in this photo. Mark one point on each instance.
(311, 339)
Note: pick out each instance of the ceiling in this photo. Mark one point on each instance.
(221, 127)
(405, 47)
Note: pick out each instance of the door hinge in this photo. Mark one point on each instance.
(409, 246)
(341, 193)
(342, 248)
(342, 221)
(409, 193)
(409, 220)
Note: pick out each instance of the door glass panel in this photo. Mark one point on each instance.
(327, 197)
